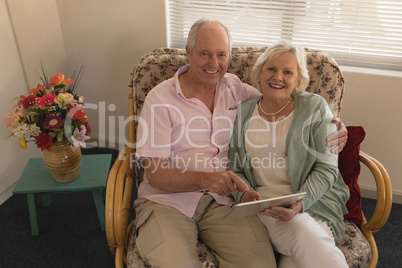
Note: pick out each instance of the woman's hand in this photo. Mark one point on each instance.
(249, 196)
(282, 213)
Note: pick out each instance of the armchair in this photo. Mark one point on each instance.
(326, 79)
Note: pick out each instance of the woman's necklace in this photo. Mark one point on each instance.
(277, 112)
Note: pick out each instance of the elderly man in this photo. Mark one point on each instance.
(186, 188)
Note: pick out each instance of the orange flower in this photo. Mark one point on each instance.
(77, 114)
(58, 79)
(68, 81)
(37, 91)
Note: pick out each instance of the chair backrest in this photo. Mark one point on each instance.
(326, 79)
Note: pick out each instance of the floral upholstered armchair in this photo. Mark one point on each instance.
(326, 79)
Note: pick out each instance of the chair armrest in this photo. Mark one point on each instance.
(119, 192)
(384, 193)
(383, 205)
(109, 201)
(119, 205)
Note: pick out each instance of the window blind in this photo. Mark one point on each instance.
(362, 33)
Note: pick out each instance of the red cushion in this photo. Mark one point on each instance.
(349, 167)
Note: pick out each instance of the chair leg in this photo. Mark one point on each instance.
(119, 257)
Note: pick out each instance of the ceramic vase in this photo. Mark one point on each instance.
(63, 161)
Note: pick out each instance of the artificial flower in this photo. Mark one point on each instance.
(68, 81)
(49, 113)
(58, 80)
(53, 121)
(79, 137)
(60, 135)
(87, 127)
(43, 141)
(26, 130)
(40, 102)
(27, 101)
(23, 143)
(49, 99)
(65, 99)
(77, 114)
(38, 90)
(13, 118)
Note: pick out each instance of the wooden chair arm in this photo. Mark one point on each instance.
(119, 205)
(119, 193)
(384, 193)
(109, 202)
(383, 205)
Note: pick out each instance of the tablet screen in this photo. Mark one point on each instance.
(250, 208)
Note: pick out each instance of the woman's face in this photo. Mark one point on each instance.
(279, 77)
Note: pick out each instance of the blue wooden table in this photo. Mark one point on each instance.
(36, 179)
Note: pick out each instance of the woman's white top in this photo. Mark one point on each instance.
(265, 144)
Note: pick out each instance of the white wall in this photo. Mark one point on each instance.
(373, 101)
(39, 37)
(109, 37)
(12, 84)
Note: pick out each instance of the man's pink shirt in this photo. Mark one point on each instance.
(185, 131)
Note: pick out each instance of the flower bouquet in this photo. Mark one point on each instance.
(48, 113)
(52, 116)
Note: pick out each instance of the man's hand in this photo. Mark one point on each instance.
(223, 183)
(161, 175)
(249, 196)
(338, 138)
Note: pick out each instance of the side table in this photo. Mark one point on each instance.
(36, 179)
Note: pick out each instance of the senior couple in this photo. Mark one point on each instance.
(177, 206)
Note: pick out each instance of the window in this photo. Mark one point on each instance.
(362, 33)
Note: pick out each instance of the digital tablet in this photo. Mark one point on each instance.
(250, 208)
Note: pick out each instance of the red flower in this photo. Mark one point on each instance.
(88, 127)
(43, 141)
(53, 121)
(77, 114)
(49, 99)
(40, 102)
(28, 101)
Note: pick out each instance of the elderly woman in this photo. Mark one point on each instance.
(278, 148)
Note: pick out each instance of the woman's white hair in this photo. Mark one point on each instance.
(192, 34)
(274, 51)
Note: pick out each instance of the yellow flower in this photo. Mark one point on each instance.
(23, 143)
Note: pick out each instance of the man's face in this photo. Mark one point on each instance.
(210, 56)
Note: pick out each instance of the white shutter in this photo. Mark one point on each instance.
(365, 33)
